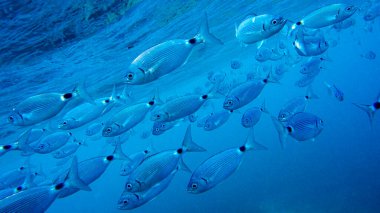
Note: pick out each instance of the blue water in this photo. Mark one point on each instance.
(51, 46)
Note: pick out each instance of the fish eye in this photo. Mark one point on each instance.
(157, 129)
(130, 76)
(125, 202)
(274, 21)
(194, 186)
(129, 186)
(109, 130)
(10, 119)
(349, 8)
(158, 116)
(64, 123)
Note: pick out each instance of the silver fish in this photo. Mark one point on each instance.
(160, 127)
(129, 165)
(258, 28)
(327, 15)
(220, 166)
(86, 112)
(51, 142)
(94, 128)
(301, 126)
(179, 107)
(28, 183)
(296, 105)
(40, 107)
(157, 167)
(68, 149)
(164, 58)
(310, 45)
(245, 93)
(127, 118)
(334, 91)
(252, 116)
(217, 119)
(132, 200)
(39, 199)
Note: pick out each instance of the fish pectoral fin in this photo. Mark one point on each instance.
(156, 66)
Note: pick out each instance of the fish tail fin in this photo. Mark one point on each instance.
(328, 86)
(251, 143)
(73, 177)
(310, 93)
(204, 34)
(281, 131)
(150, 149)
(113, 94)
(125, 96)
(292, 25)
(80, 91)
(8, 147)
(118, 152)
(183, 166)
(271, 78)
(214, 91)
(188, 144)
(29, 181)
(367, 109)
(156, 97)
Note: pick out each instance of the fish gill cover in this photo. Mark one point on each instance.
(245, 106)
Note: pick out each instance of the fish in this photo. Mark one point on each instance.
(217, 119)
(245, 93)
(94, 128)
(296, 105)
(252, 116)
(38, 108)
(128, 118)
(268, 54)
(370, 109)
(372, 13)
(258, 28)
(160, 127)
(132, 200)
(220, 166)
(129, 165)
(327, 16)
(51, 142)
(91, 169)
(334, 91)
(370, 55)
(235, 64)
(344, 24)
(216, 77)
(68, 149)
(312, 66)
(180, 107)
(14, 177)
(86, 112)
(301, 126)
(166, 57)
(157, 167)
(39, 199)
(310, 45)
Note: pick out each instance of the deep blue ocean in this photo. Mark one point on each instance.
(52, 46)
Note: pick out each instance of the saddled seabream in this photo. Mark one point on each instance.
(258, 28)
(159, 166)
(220, 166)
(164, 58)
(301, 126)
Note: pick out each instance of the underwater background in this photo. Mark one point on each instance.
(51, 46)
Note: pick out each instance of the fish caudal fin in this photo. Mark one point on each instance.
(73, 177)
(281, 131)
(118, 152)
(204, 34)
(188, 144)
(183, 166)
(310, 93)
(264, 108)
(251, 143)
(81, 92)
(367, 109)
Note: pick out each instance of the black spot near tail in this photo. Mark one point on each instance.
(265, 81)
(242, 148)
(5, 147)
(151, 103)
(59, 186)
(299, 23)
(19, 188)
(376, 105)
(180, 151)
(68, 95)
(204, 96)
(192, 41)
(109, 157)
(289, 129)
